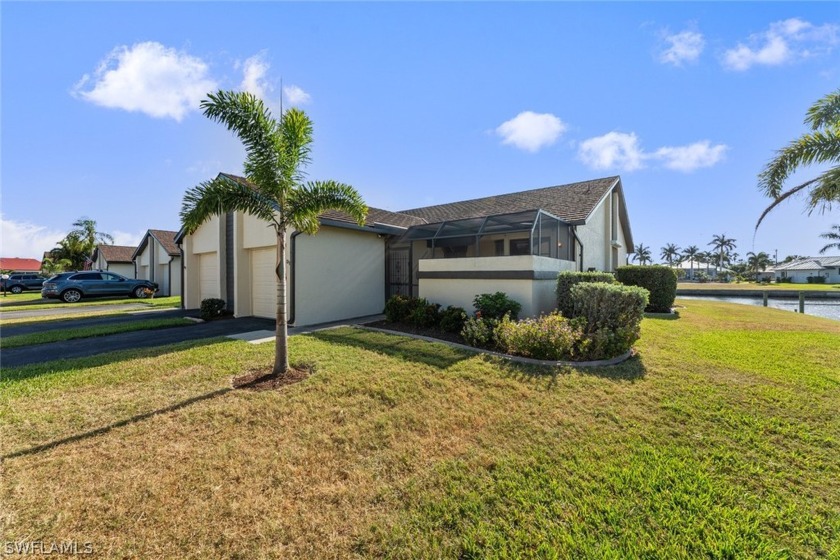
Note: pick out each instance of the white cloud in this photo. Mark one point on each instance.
(27, 240)
(617, 150)
(150, 78)
(683, 47)
(784, 41)
(691, 157)
(127, 239)
(295, 95)
(621, 151)
(531, 131)
(254, 71)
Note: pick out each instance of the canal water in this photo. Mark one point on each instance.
(828, 308)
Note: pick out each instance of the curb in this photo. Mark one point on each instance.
(518, 359)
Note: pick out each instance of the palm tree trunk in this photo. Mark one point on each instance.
(281, 341)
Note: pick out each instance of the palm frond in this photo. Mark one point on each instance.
(834, 236)
(781, 198)
(221, 195)
(313, 198)
(296, 145)
(251, 121)
(826, 192)
(825, 112)
(815, 147)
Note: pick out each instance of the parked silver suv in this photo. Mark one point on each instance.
(73, 286)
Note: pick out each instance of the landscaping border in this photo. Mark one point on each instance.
(519, 359)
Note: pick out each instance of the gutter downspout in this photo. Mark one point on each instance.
(183, 260)
(577, 240)
(292, 268)
(169, 270)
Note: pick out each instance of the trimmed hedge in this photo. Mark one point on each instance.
(496, 306)
(611, 315)
(549, 337)
(660, 281)
(565, 281)
(211, 308)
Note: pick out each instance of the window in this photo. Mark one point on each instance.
(111, 277)
(499, 246)
(520, 246)
(88, 276)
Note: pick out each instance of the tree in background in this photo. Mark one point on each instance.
(670, 253)
(821, 145)
(642, 254)
(834, 236)
(690, 254)
(72, 249)
(86, 231)
(275, 192)
(758, 262)
(723, 245)
(53, 265)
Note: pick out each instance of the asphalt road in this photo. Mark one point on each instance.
(85, 347)
(29, 328)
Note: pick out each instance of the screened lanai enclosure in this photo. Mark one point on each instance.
(496, 251)
(533, 232)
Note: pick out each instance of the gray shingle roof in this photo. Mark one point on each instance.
(116, 253)
(571, 203)
(810, 263)
(167, 239)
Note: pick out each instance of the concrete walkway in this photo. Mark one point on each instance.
(68, 310)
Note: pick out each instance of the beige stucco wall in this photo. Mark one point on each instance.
(125, 269)
(340, 274)
(208, 238)
(598, 238)
(535, 295)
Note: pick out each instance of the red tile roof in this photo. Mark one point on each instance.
(20, 265)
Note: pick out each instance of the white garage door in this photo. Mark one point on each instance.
(263, 283)
(208, 276)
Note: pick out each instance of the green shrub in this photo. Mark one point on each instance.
(565, 281)
(549, 337)
(816, 279)
(660, 281)
(211, 308)
(424, 314)
(496, 306)
(610, 315)
(452, 319)
(481, 332)
(701, 276)
(398, 308)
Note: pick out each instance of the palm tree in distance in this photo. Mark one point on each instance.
(690, 254)
(275, 191)
(86, 231)
(722, 245)
(642, 254)
(820, 145)
(758, 262)
(834, 236)
(670, 253)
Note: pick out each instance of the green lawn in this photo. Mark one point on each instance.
(752, 286)
(34, 303)
(720, 440)
(13, 300)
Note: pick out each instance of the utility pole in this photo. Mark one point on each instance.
(776, 257)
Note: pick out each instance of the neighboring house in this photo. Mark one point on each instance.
(113, 258)
(710, 270)
(798, 271)
(158, 259)
(15, 264)
(448, 253)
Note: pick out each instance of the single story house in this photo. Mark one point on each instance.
(113, 258)
(447, 253)
(799, 270)
(711, 270)
(158, 259)
(16, 264)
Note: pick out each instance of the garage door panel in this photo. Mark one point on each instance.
(208, 276)
(263, 283)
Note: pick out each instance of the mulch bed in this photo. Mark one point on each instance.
(432, 333)
(263, 379)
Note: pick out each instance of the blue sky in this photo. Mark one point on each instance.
(416, 104)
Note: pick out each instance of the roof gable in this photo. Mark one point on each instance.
(114, 253)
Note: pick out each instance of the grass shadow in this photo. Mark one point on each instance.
(119, 424)
(439, 355)
(629, 371)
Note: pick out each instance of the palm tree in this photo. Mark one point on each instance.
(758, 262)
(642, 254)
(834, 236)
(73, 250)
(86, 231)
(690, 254)
(276, 190)
(670, 253)
(821, 145)
(722, 244)
(52, 265)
